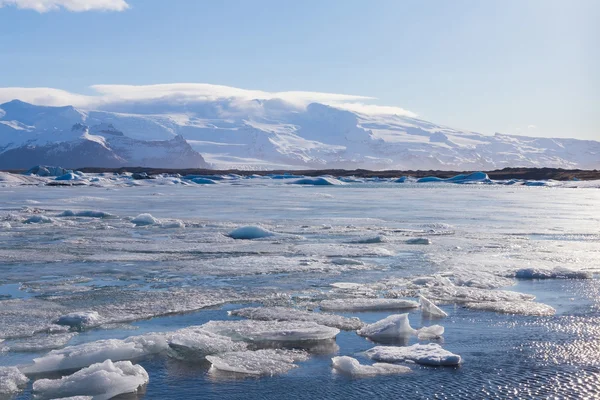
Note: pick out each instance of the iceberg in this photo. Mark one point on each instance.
(79, 320)
(351, 366)
(292, 314)
(431, 310)
(426, 354)
(203, 181)
(260, 362)
(196, 343)
(80, 356)
(547, 273)
(319, 181)
(250, 232)
(102, 381)
(475, 177)
(45, 170)
(11, 380)
(367, 304)
(272, 331)
(529, 308)
(145, 220)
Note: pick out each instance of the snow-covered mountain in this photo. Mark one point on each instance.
(263, 134)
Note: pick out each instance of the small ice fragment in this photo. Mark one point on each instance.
(145, 219)
(175, 224)
(430, 332)
(80, 320)
(367, 304)
(292, 314)
(369, 240)
(418, 241)
(250, 232)
(392, 327)
(11, 380)
(79, 356)
(272, 331)
(196, 343)
(260, 362)
(38, 219)
(352, 366)
(514, 307)
(426, 354)
(430, 309)
(346, 261)
(102, 381)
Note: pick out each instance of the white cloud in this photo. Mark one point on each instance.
(71, 5)
(181, 93)
(531, 126)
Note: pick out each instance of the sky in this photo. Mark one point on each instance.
(526, 67)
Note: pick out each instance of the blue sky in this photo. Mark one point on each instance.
(513, 66)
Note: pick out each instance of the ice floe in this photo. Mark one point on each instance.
(39, 342)
(195, 343)
(426, 354)
(250, 232)
(351, 366)
(102, 381)
(463, 294)
(11, 380)
(145, 220)
(428, 308)
(548, 273)
(392, 327)
(272, 331)
(292, 314)
(420, 240)
(367, 304)
(259, 362)
(529, 308)
(79, 356)
(80, 320)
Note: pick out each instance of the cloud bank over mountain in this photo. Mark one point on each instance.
(43, 6)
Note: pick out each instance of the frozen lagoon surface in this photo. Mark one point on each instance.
(185, 270)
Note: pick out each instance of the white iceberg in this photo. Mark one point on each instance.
(367, 304)
(250, 232)
(272, 331)
(426, 354)
(529, 308)
(145, 220)
(79, 356)
(102, 381)
(80, 320)
(353, 367)
(260, 362)
(430, 309)
(11, 380)
(292, 314)
(196, 343)
(391, 327)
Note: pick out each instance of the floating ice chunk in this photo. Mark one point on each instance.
(547, 273)
(272, 331)
(40, 342)
(530, 308)
(11, 380)
(346, 261)
(82, 355)
(346, 285)
(80, 320)
(250, 232)
(102, 381)
(203, 181)
(69, 176)
(367, 304)
(5, 225)
(196, 343)
(352, 366)
(435, 280)
(145, 219)
(475, 177)
(420, 240)
(175, 224)
(260, 362)
(319, 181)
(38, 219)
(369, 240)
(45, 170)
(392, 327)
(462, 294)
(430, 309)
(86, 213)
(427, 354)
(430, 332)
(292, 314)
